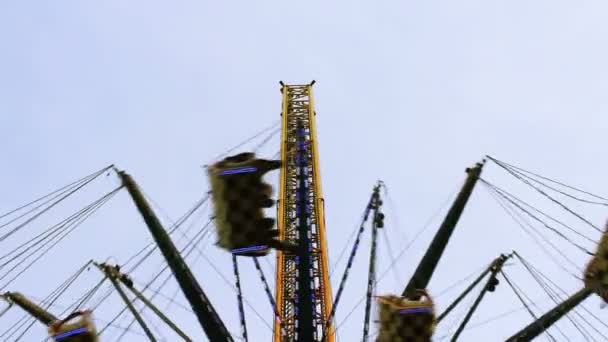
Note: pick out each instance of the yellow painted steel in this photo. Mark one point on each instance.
(280, 219)
(320, 211)
(281, 294)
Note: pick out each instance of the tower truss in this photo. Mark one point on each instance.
(303, 293)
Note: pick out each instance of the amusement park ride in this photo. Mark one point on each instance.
(303, 303)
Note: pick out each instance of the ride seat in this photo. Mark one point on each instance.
(402, 319)
(596, 272)
(77, 327)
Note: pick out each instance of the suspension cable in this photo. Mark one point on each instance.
(175, 226)
(61, 190)
(507, 196)
(54, 296)
(393, 210)
(89, 295)
(71, 281)
(157, 291)
(349, 264)
(538, 275)
(31, 219)
(267, 289)
(463, 294)
(387, 241)
(239, 297)
(51, 298)
(536, 270)
(214, 267)
(347, 243)
(391, 255)
(172, 300)
(539, 190)
(461, 281)
(492, 281)
(424, 228)
(195, 240)
(67, 231)
(556, 300)
(52, 230)
(225, 153)
(514, 288)
(186, 250)
(523, 172)
(266, 140)
(522, 223)
(67, 225)
(492, 319)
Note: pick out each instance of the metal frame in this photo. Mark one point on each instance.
(293, 217)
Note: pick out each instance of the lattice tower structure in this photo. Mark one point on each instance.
(303, 293)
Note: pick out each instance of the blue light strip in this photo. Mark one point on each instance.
(415, 310)
(249, 249)
(70, 333)
(235, 171)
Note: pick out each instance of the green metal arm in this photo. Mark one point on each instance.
(547, 320)
(30, 307)
(202, 307)
(424, 272)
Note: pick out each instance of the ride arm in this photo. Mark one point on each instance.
(426, 267)
(490, 286)
(547, 320)
(464, 293)
(205, 312)
(113, 274)
(30, 307)
(376, 223)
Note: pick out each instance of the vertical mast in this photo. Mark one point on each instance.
(303, 293)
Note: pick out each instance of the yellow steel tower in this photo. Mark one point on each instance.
(303, 293)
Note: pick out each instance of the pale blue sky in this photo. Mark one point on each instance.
(408, 92)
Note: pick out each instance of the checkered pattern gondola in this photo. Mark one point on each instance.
(238, 202)
(596, 273)
(81, 330)
(396, 326)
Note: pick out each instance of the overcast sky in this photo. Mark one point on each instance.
(408, 92)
